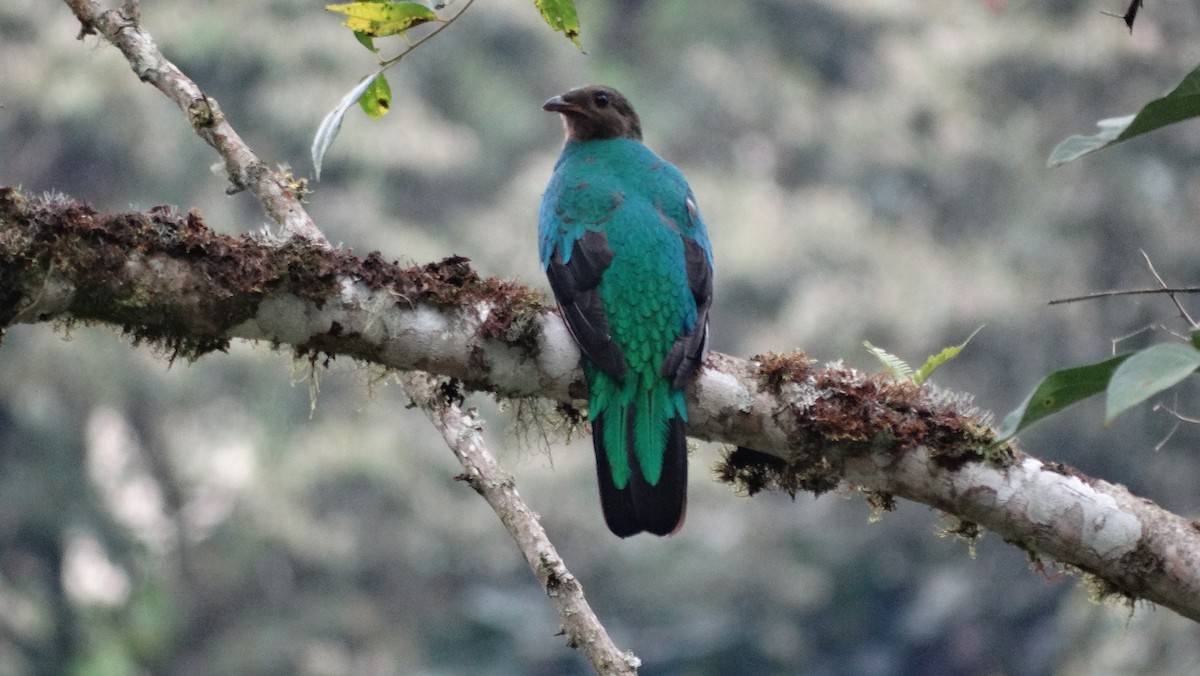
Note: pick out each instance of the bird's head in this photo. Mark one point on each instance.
(596, 112)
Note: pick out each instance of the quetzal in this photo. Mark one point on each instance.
(629, 261)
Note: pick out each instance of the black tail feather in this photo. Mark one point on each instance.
(640, 506)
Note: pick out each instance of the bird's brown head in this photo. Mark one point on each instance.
(596, 112)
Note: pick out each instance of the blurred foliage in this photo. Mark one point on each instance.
(869, 170)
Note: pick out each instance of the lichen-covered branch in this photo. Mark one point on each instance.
(461, 431)
(279, 194)
(164, 278)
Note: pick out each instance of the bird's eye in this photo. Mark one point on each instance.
(601, 100)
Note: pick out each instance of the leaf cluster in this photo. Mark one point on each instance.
(1129, 379)
(370, 19)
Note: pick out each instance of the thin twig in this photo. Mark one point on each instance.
(461, 432)
(1124, 292)
(413, 45)
(1173, 411)
(1163, 287)
(1170, 292)
(1130, 14)
(1114, 342)
(279, 194)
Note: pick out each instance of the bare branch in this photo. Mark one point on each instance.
(164, 278)
(1170, 292)
(1125, 292)
(1163, 287)
(279, 193)
(461, 431)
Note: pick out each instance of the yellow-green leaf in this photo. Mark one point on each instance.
(377, 99)
(561, 16)
(381, 19)
(931, 364)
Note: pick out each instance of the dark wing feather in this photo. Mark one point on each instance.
(576, 286)
(687, 353)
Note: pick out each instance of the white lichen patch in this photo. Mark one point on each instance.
(556, 347)
(722, 391)
(1055, 499)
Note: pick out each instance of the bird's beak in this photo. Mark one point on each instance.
(560, 105)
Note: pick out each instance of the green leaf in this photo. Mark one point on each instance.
(1148, 372)
(381, 19)
(377, 99)
(561, 16)
(1181, 103)
(366, 41)
(1058, 391)
(940, 358)
(332, 124)
(896, 367)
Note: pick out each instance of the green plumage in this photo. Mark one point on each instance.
(652, 404)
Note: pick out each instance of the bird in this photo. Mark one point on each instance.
(628, 259)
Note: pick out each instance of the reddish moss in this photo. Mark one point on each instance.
(852, 414)
(776, 369)
(514, 306)
(876, 408)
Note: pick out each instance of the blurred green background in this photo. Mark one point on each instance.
(868, 169)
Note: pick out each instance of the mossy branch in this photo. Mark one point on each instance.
(165, 279)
